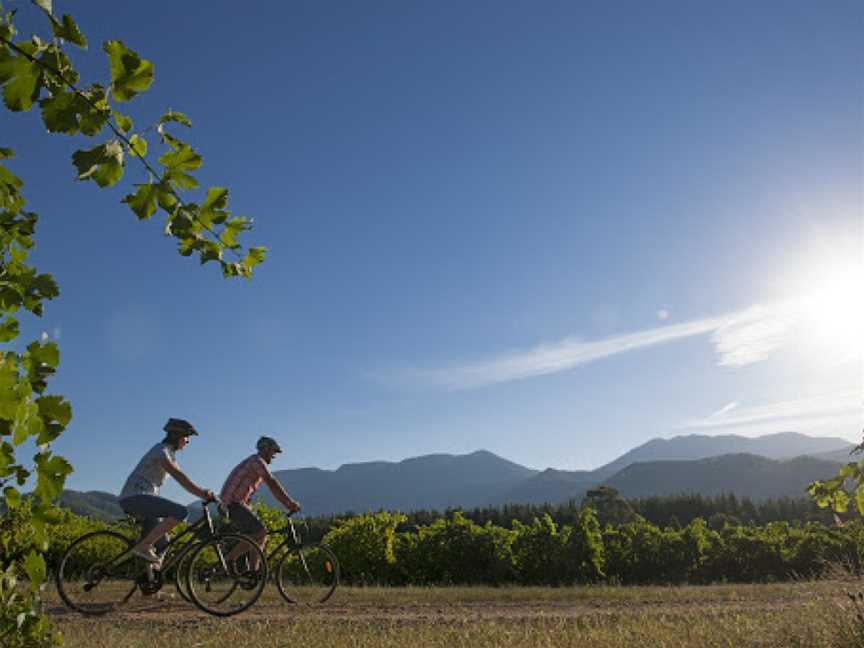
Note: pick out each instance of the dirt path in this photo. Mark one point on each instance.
(175, 611)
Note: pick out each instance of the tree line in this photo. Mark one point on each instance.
(391, 549)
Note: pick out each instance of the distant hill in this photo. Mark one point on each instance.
(782, 445)
(96, 504)
(548, 486)
(743, 474)
(435, 481)
(767, 466)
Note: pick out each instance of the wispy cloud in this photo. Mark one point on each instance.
(724, 410)
(559, 356)
(753, 334)
(739, 338)
(832, 405)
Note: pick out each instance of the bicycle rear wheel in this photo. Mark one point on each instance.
(213, 581)
(308, 574)
(97, 573)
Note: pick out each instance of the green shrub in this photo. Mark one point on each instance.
(364, 545)
(454, 551)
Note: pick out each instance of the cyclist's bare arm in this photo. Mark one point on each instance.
(174, 470)
(280, 494)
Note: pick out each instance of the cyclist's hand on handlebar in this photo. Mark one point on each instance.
(295, 507)
(209, 496)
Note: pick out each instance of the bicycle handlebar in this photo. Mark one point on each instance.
(220, 505)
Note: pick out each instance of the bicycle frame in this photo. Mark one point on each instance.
(288, 543)
(205, 522)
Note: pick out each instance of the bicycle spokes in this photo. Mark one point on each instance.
(95, 572)
(308, 574)
(226, 575)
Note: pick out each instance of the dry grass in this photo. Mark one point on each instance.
(805, 614)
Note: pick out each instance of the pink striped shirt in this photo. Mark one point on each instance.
(244, 480)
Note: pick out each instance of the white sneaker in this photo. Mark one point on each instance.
(147, 555)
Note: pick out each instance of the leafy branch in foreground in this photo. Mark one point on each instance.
(26, 413)
(37, 71)
(844, 488)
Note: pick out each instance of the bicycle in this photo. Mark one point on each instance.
(307, 572)
(94, 574)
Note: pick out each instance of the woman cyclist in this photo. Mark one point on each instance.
(140, 494)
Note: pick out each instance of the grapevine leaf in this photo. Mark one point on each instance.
(25, 79)
(232, 229)
(130, 74)
(47, 353)
(217, 198)
(60, 112)
(12, 495)
(102, 164)
(254, 257)
(859, 499)
(174, 116)
(138, 145)
(177, 162)
(841, 502)
(183, 159)
(95, 112)
(232, 270)
(209, 251)
(848, 470)
(9, 330)
(54, 408)
(182, 180)
(213, 210)
(123, 122)
(34, 565)
(143, 201)
(51, 471)
(68, 31)
(20, 434)
(165, 197)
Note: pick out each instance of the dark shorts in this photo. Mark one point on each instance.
(153, 506)
(244, 520)
(151, 510)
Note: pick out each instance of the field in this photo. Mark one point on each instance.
(807, 614)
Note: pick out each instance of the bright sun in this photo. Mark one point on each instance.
(832, 309)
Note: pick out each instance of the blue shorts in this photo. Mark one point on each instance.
(151, 509)
(153, 506)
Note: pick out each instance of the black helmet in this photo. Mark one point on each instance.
(180, 427)
(266, 443)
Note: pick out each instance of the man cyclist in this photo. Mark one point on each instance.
(140, 494)
(241, 484)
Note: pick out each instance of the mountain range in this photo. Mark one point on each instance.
(773, 465)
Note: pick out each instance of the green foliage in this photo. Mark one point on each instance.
(584, 548)
(453, 551)
(130, 74)
(847, 486)
(610, 507)
(539, 552)
(22, 621)
(364, 546)
(38, 71)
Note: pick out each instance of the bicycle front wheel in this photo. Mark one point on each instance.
(97, 573)
(180, 577)
(308, 574)
(226, 575)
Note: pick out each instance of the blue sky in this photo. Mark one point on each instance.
(552, 230)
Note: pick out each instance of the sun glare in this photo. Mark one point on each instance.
(832, 311)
